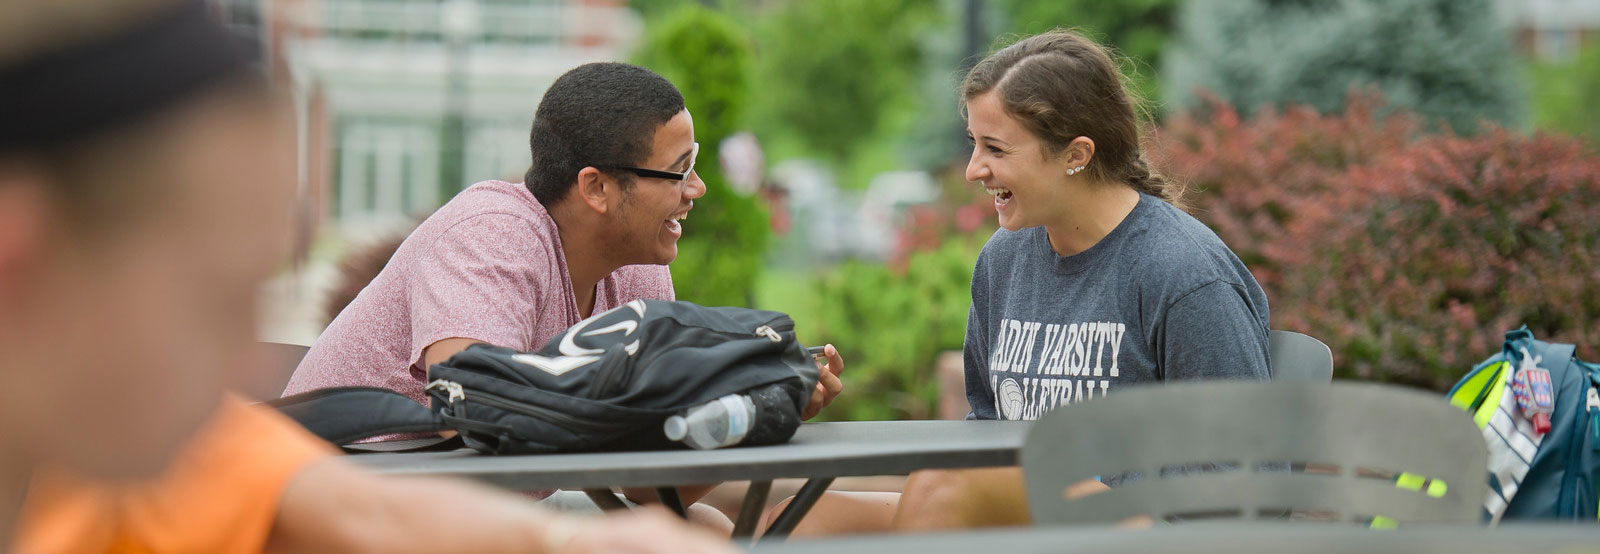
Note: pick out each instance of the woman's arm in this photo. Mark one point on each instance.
(1211, 333)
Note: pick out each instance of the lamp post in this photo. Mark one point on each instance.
(460, 22)
(972, 45)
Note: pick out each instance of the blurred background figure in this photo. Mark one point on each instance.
(145, 195)
(126, 305)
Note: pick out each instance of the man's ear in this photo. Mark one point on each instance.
(595, 189)
(23, 216)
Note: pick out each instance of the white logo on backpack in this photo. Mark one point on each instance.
(574, 356)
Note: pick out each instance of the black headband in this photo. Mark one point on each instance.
(83, 89)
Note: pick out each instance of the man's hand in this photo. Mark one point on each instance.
(643, 530)
(828, 384)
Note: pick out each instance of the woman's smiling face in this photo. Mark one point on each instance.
(1015, 166)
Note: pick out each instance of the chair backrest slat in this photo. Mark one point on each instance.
(1230, 446)
(1299, 357)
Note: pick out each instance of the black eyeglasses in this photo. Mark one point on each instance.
(670, 175)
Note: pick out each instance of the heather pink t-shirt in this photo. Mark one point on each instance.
(487, 266)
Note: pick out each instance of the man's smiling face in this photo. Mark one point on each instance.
(650, 215)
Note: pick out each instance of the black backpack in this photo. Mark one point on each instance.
(607, 383)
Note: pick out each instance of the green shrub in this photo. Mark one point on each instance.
(890, 326)
(1447, 60)
(891, 320)
(707, 56)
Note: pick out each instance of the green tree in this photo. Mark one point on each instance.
(707, 56)
(1138, 29)
(832, 72)
(652, 9)
(1449, 60)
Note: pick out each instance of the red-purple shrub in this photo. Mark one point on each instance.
(1409, 255)
(1249, 178)
(1424, 257)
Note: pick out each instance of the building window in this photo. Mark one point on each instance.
(1556, 45)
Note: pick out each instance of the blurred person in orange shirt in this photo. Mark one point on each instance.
(145, 184)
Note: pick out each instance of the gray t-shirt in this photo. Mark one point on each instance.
(1160, 298)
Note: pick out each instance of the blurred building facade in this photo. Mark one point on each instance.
(1553, 30)
(401, 103)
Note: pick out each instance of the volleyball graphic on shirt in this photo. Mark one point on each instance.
(1009, 398)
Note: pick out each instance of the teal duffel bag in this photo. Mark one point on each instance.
(1554, 475)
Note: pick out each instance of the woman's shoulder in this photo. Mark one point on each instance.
(1179, 234)
(1178, 248)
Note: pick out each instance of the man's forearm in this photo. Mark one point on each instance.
(333, 507)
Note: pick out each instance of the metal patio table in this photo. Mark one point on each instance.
(1223, 538)
(819, 452)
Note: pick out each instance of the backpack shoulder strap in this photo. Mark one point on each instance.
(344, 415)
(1557, 355)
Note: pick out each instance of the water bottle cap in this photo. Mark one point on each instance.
(676, 428)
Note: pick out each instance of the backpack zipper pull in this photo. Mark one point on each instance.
(453, 391)
(769, 332)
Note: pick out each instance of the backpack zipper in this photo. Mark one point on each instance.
(1593, 406)
(777, 324)
(457, 394)
(608, 380)
(1570, 480)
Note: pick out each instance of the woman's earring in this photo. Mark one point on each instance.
(1075, 170)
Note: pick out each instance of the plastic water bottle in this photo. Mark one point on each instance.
(721, 422)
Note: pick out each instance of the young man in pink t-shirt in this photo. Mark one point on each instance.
(514, 264)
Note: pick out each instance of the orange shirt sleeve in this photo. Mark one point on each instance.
(220, 495)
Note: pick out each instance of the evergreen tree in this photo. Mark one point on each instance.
(1137, 29)
(1449, 60)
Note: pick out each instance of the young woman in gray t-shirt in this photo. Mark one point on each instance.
(1096, 280)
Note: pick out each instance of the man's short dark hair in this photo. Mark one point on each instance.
(599, 115)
